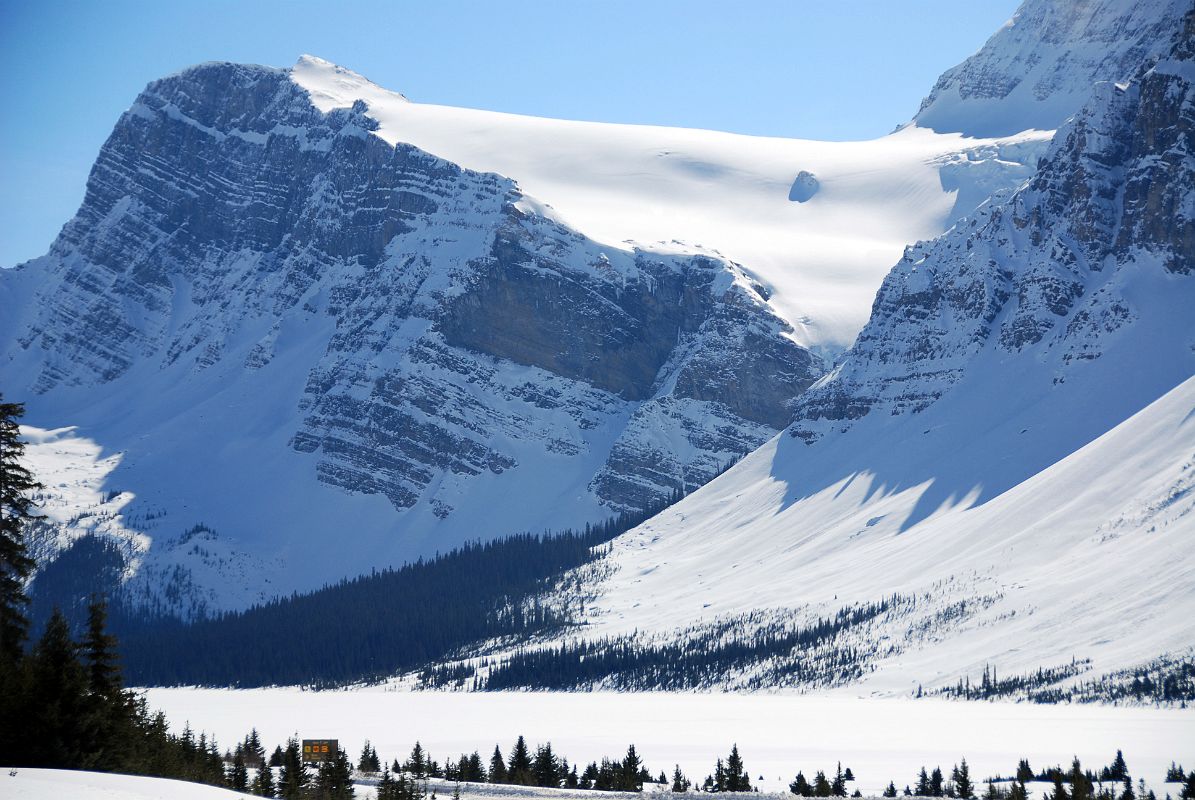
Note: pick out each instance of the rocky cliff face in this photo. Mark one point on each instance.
(406, 327)
(1040, 68)
(1046, 273)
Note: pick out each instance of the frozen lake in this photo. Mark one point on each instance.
(880, 739)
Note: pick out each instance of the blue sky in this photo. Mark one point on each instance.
(850, 69)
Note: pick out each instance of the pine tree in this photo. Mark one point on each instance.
(109, 720)
(923, 789)
(276, 756)
(1018, 791)
(1119, 768)
(369, 761)
(1081, 786)
(497, 767)
(821, 786)
(891, 790)
(1024, 772)
(1188, 790)
(16, 510)
(935, 783)
(679, 782)
(1059, 792)
(800, 786)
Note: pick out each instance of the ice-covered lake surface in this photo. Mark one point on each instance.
(777, 734)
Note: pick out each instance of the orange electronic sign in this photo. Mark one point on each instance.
(317, 751)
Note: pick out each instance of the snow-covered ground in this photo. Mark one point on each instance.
(880, 739)
(57, 784)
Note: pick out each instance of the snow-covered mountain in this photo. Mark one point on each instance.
(1006, 456)
(302, 327)
(294, 346)
(1039, 69)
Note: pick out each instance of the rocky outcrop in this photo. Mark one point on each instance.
(1040, 68)
(1041, 272)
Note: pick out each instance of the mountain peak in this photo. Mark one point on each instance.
(332, 86)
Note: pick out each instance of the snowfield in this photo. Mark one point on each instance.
(688, 190)
(880, 739)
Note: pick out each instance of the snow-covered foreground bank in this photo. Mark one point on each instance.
(58, 784)
(880, 739)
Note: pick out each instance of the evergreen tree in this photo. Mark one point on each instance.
(334, 779)
(679, 782)
(519, 770)
(800, 786)
(417, 762)
(821, 786)
(16, 510)
(497, 767)
(1128, 793)
(737, 779)
(546, 767)
(1018, 791)
(923, 788)
(1081, 786)
(1024, 772)
(1059, 792)
(54, 737)
(263, 781)
(294, 778)
(276, 756)
(935, 783)
(961, 776)
(1188, 790)
(369, 761)
(238, 778)
(109, 720)
(891, 790)
(1119, 769)
(632, 767)
(838, 786)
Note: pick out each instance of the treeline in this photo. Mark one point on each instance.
(1168, 680)
(542, 767)
(435, 607)
(801, 654)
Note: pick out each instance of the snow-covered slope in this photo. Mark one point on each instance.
(1041, 66)
(59, 784)
(1008, 449)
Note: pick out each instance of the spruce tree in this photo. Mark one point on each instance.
(238, 778)
(546, 767)
(922, 789)
(891, 790)
(334, 779)
(519, 770)
(962, 781)
(17, 485)
(821, 786)
(293, 778)
(417, 762)
(800, 786)
(58, 692)
(263, 781)
(737, 779)
(632, 767)
(838, 785)
(935, 783)
(679, 782)
(497, 767)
